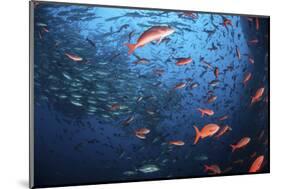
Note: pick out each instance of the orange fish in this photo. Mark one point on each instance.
(152, 34)
(114, 107)
(142, 132)
(74, 57)
(177, 142)
(207, 131)
(238, 53)
(216, 72)
(206, 111)
(258, 95)
(223, 118)
(257, 24)
(223, 131)
(256, 166)
(241, 143)
(184, 61)
(247, 78)
(251, 60)
(253, 41)
(180, 85)
(215, 169)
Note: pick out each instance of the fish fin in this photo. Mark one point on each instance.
(197, 137)
(132, 47)
(206, 168)
(159, 40)
(233, 147)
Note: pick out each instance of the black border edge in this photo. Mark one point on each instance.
(31, 97)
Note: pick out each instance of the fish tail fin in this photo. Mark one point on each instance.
(197, 137)
(233, 147)
(200, 110)
(206, 168)
(132, 47)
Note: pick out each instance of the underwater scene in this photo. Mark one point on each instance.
(130, 94)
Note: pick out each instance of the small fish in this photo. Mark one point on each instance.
(211, 99)
(253, 41)
(128, 120)
(149, 168)
(74, 57)
(114, 107)
(201, 158)
(251, 60)
(206, 111)
(152, 34)
(215, 169)
(247, 78)
(241, 143)
(257, 24)
(144, 131)
(256, 165)
(258, 95)
(223, 131)
(184, 61)
(223, 118)
(238, 53)
(176, 142)
(207, 131)
(180, 85)
(216, 72)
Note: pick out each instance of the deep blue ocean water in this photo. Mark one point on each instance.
(81, 106)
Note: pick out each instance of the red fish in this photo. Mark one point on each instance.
(152, 34)
(256, 166)
(207, 131)
(258, 95)
(241, 143)
(216, 72)
(74, 57)
(184, 61)
(247, 78)
(238, 53)
(206, 111)
(176, 142)
(223, 131)
(215, 169)
(180, 85)
(45, 29)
